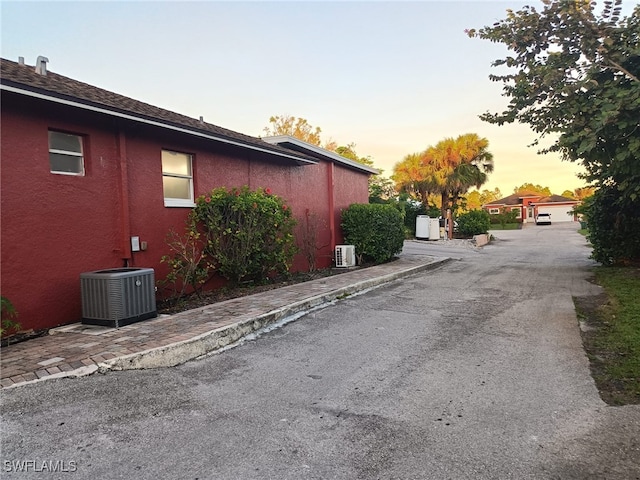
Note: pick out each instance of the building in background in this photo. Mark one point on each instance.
(529, 205)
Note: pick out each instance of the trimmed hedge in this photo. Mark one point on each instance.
(474, 222)
(376, 230)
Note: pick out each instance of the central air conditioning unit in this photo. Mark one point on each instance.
(345, 256)
(118, 296)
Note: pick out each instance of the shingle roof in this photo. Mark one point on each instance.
(24, 79)
(510, 200)
(515, 199)
(556, 199)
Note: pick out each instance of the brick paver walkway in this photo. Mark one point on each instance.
(71, 348)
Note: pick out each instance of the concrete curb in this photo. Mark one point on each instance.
(181, 352)
(207, 343)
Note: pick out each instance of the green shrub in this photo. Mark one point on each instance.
(474, 222)
(376, 231)
(8, 316)
(614, 227)
(248, 234)
(504, 217)
(187, 261)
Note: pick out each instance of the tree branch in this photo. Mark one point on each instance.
(622, 69)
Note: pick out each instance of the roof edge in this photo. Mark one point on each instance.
(283, 139)
(139, 118)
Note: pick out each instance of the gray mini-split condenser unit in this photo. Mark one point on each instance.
(118, 296)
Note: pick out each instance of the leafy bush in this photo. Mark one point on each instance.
(249, 234)
(188, 262)
(474, 222)
(8, 317)
(504, 217)
(376, 231)
(614, 227)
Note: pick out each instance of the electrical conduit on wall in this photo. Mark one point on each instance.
(124, 200)
(332, 213)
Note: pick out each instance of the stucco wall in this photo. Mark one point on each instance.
(55, 227)
(349, 188)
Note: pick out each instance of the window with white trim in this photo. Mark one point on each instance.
(177, 179)
(494, 211)
(517, 209)
(65, 153)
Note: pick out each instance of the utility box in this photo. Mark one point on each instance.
(422, 227)
(434, 229)
(118, 296)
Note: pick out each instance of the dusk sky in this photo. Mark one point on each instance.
(391, 77)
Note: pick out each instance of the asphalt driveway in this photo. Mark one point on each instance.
(473, 370)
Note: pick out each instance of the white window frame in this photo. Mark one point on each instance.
(494, 211)
(179, 202)
(68, 153)
(519, 211)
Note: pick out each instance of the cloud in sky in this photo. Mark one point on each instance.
(392, 77)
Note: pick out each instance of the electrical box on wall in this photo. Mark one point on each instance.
(135, 244)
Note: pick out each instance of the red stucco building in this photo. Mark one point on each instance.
(84, 170)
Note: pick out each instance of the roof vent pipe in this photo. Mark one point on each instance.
(20, 60)
(41, 65)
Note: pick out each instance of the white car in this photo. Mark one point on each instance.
(543, 219)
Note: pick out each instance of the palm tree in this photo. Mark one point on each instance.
(464, 162)
(449, 169)
(411, 176)
(476, 162)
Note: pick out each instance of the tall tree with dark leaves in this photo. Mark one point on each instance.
(574, 74)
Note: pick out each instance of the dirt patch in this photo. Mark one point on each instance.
(22, 336)
(592, 313)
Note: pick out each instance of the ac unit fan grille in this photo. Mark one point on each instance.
(118, 297)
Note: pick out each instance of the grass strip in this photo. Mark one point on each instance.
(614, 344)
(506, 226)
